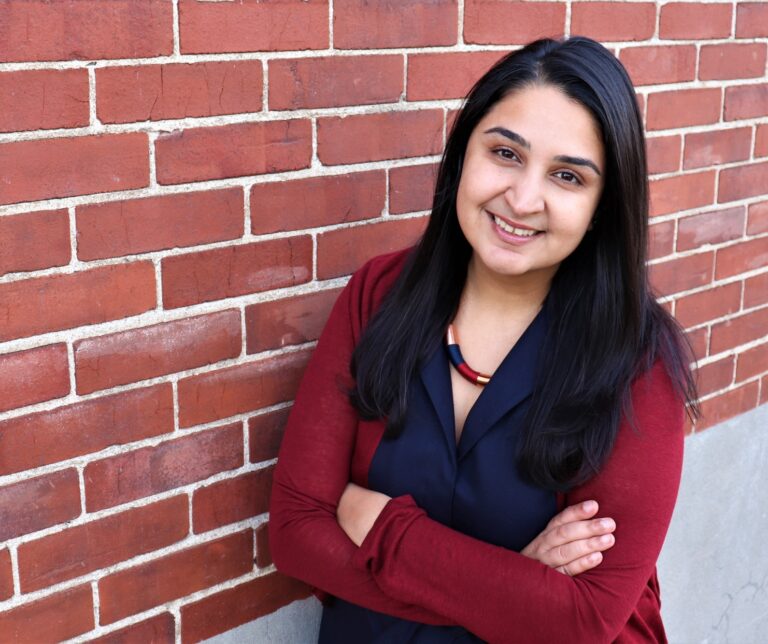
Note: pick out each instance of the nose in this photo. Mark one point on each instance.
(525, 194)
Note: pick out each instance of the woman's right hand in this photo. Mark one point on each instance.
(573, 542)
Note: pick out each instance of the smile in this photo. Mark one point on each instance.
(512, 230)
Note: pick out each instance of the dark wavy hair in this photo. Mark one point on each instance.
(607, 327)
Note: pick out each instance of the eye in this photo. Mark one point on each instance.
(569, 177)
(505, 153)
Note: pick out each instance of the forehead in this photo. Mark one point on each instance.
(548, 119)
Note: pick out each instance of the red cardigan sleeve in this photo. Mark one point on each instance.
(502, 596)
(313, 469)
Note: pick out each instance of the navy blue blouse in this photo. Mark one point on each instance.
(473, 487)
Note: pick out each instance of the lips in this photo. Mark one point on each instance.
(516, 229)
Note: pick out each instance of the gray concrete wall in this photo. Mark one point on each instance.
(713, 569)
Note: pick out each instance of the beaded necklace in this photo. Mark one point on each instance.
(457, 360)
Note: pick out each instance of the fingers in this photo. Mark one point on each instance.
(582, 564)
(572, 513)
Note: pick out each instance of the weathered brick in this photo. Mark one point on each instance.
(33, 376)
(155, 630)
(682, 192)
(740, 258)
(695, 20)
(316, 201)
(151, 470)
(83, 30)
(231, 500)
(85, 427)
(176, 91)
(139, 354)
(333, 81)
(715, 376)
(82, 549)
(388, 135)
(757, 221)
(235, 270)
(220, 152)
(739, 330)
(682, 273)
(742, 182)
(82, 165)
(135, 226)
(54, 497)
(732, 60)
(756, 290)
(35, 306)
(360, 24)
(35, 240)
(263, 551)
(161, 580)
(230, 608)
(446, 75)
(6, 574)
(245, 387)
(727, 405)
(751, 20)
(717, 147)
(699, 341)
(279, 323)
(411, 188)
(43, 99)
(614, 21)
(265, 432)
(683, 107)
(54, 618)
(252, 25)
(502, 22)
(761, 141)
(746, 101)
(661, 239)
(752, 362)
(652, 65)
(708, 305)
(710, 228)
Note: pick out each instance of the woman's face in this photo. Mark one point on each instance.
(531, 180)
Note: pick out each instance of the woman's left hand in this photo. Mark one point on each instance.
(358, 509)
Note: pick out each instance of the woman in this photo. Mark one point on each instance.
(423, 494)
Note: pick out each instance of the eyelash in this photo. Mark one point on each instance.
(576, 181)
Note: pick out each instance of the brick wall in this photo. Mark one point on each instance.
(184, 187)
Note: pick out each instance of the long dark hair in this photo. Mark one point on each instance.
(606, 328)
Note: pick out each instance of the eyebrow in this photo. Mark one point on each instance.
(563, 158)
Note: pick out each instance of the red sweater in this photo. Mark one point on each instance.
(413, 567)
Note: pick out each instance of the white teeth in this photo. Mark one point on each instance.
(522, 232)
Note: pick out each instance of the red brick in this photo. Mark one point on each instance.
(38, 503)
(695, 21)
(151, 470)
(742, 182)
(739, 330)
(233, 607)
(708, 305)
(683, 107)
(756, 290)
(727, 405)
(58, 302)
(85, 427)
(279, 323)
(54, 618)
(751, 20)
(128, 227)
(235, 270)
(242, 388)
(732, 60)
(265, 432)
(33, 376)
(43, 99)
(161, 580)
(682, 273)
(746, 101)
(6, 575)
(237, 150)
(156, 630)
(501, 22)
(746, 256)
(231, 500)
(717, 147)
(682, 192)
(715, 376)
(657, 64)
(446, 75)
(761, 141)
(82, 549)
(333, 81)
(316, 201)
(411, 188)
(752, 362)
(389, 135)
(176, 91)
(663, 153)
(85, 30)
(340, 252)
(661, 239)
(139, 354)
(699, 341)
(35, 240)
(757, 221)
(83, 165)
(252, 25)
(614, 21)
(361, 24)
(263, 551)
(710, 228)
